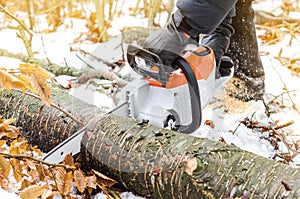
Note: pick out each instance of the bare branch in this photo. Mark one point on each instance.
(102, 73)
(2, 9)
(20, 156)
(262, 17)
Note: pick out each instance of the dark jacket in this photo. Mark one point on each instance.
(202, 16)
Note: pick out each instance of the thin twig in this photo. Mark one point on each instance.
(55, 106)
(102, 73)
(2, 9)
(236, 128)
(43, 43)
(20, 156)
(85, 62)
(122, 45)
(263, 17)
(294, 106)
(282, 138)
(284, 125)
(281, 94)
(114, 194)
(22, 35)
(98, 58)
(267, 108)
(27, 42)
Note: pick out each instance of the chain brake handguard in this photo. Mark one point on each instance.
(159, 74)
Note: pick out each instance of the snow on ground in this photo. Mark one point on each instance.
(6, 195)
(226, 113)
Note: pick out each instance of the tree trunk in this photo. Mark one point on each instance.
(244, 52)
(100, 12)
(148, 160)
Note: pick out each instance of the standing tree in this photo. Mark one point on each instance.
(244, 52)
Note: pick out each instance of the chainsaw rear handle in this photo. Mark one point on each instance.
(134, 52)
(194, 96)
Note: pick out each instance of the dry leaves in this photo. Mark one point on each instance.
(30, 77)
(38, 179)
(103, 181)
(32, 192)
(209, 123)
(8, 81)
(276, 134)
(80, 180)
(63, 180)
(281, 28)
(4, 167)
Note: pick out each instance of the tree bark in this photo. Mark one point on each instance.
(243, 50)
(42, 125)
(148, 160)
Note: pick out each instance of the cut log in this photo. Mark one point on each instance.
(42, 125)
(148, 160)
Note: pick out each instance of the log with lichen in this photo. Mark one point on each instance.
(148, 160)
(42, 125)
(45, 63)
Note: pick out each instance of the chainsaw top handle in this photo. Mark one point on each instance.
(134, 53)
(194, 96)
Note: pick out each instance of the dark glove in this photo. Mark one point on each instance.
(167, 43)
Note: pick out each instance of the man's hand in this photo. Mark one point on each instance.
(167, 43)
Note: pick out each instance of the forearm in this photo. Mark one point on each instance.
(201, 16)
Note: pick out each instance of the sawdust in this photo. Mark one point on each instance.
(237, 88)
(236, 106)
(237, 99)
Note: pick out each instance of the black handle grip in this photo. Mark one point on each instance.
(194, 96)
(151, 59)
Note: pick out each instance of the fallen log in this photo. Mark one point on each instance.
(150, 161)
(42, 125)
(51, 67)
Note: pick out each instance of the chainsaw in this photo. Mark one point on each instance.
(171, 97)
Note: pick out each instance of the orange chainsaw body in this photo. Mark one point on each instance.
(170, 96)
(202, 65)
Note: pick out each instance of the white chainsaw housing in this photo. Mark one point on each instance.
(157, 104)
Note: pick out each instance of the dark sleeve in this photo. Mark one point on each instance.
(201, 16)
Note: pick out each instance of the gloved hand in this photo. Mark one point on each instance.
(167, 43)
